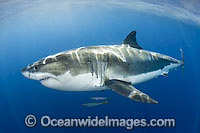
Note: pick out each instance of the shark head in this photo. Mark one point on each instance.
(46, 70)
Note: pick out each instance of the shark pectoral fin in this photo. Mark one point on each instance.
(127, 90)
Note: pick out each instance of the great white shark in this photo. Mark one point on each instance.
(116, 67)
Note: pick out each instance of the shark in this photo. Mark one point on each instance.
(117, 67)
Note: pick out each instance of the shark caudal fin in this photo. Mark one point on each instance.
(182, 59)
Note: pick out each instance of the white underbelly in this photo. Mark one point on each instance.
(135, 79)
(143, 77)
(82, 82)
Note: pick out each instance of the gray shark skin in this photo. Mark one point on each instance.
(101, 67)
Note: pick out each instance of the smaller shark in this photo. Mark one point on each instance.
(94, 104)
(116, 67)
(98, 98)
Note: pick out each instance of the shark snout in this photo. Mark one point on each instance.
(25, 72)
(23, 69)
(35, 75)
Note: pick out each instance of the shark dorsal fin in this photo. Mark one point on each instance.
(131, 40)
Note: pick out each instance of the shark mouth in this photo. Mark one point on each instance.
(44, 79)
(39, 76)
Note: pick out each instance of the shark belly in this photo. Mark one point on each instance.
(81, 82)
(135, 79)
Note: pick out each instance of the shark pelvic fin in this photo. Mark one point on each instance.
(131, 40)
(165, 74)
(127, 90)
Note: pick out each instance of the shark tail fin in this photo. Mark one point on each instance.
(182, 59)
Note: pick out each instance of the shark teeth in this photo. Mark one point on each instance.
(43, 79)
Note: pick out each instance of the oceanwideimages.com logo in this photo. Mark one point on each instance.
(47, 121)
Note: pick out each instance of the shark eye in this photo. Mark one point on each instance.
(35, 68)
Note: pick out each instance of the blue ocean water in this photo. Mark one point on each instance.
(33, 33)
